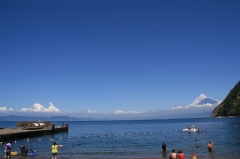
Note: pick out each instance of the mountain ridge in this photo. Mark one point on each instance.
(207, 101)
(34, 118)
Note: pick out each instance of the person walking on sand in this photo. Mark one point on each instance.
(173, 155)
(210, 146)
(54, 150)
(180, 154)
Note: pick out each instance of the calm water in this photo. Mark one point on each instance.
(138, 139)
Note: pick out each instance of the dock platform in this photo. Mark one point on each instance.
(30, 129)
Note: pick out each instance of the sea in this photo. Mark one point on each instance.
(135, 139)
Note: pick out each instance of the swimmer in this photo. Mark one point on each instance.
(173, 155)
(210, 146)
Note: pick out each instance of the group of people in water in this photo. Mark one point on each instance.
(180, 154)
(24, 151)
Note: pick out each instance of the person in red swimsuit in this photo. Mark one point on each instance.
(180, 154)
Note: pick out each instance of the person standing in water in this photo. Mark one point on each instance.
(54, 150)
(7, 150)
(210, 146)
(164, 147)
(173, 155)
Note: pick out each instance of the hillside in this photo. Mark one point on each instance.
(230, 106)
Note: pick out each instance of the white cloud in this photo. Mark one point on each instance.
(91, 111)
(199, 99)
(5, 109)
(39, 108)
(119, 112)
(128, 112)
(179, 107)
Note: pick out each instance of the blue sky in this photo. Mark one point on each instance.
(94, 58)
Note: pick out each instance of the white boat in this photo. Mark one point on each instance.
(192, 130)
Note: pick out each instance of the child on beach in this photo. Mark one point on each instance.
(180, 154)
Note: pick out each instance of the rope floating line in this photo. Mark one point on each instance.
(124, 133)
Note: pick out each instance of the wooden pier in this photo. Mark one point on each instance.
(30, 129)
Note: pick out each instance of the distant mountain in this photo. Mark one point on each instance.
(34, 118)
(230, 106)
(207, 101)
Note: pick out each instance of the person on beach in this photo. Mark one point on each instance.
(8, 148)
(23, 150)
(173, 155)
(164, 147)
(210, 146)
(180, 154)
(54, 150)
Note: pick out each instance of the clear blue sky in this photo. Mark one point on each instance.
(108, 55)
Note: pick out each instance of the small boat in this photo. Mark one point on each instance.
(192, 130)
(32, 127)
